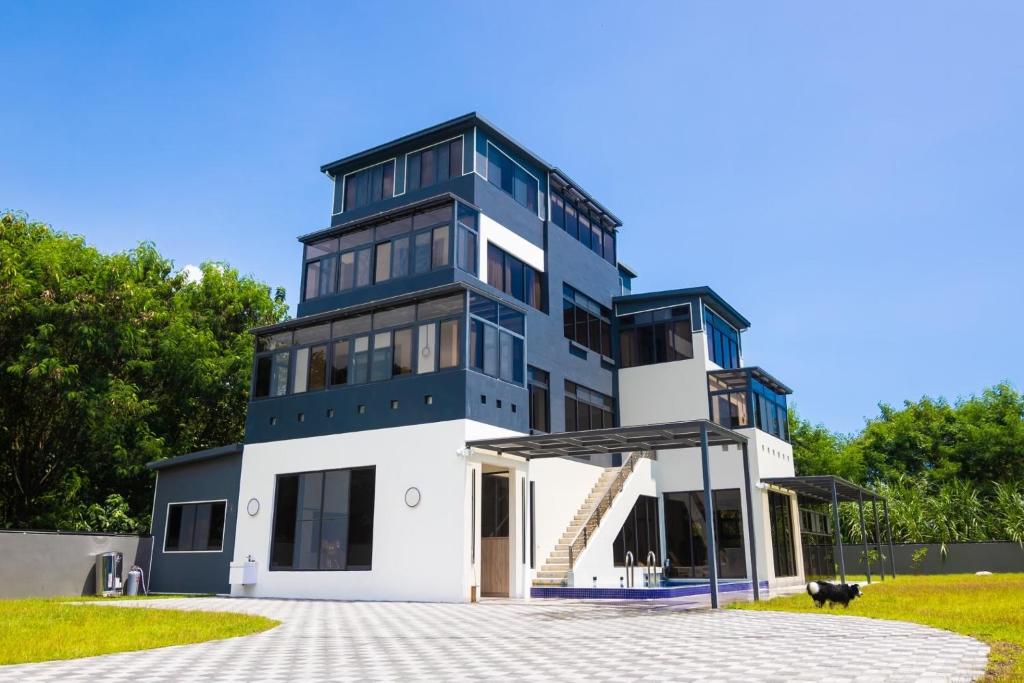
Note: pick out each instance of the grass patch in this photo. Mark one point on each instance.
(43, 629)
(984, 607)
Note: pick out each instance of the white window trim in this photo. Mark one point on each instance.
(344, 182)
(405, 185)
(167, 520)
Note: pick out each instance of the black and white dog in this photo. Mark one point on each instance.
(823, 591)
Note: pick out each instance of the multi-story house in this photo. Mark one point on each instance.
(465, 294)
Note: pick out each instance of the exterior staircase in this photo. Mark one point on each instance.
(554, 572)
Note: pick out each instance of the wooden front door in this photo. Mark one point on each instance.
(494, 541)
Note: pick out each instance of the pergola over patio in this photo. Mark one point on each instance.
(670, 435)
(834, 490)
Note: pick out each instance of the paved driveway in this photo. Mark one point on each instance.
(538, 640)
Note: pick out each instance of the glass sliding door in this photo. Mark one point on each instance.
(686, 534)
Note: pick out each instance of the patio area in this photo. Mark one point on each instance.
(536, 640)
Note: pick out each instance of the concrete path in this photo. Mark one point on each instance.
(537, 640)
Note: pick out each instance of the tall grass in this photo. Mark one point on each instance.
(952, 512)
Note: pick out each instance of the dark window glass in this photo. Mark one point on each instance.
(539, 400)
(443, 164)
(279, 373)
(609, 247)
(428, 169)
(414, 172)
(570, 414)
(494, 511)
(514, 278)
(323, 521)
(369, 185)
(783, 551)
(317, 367)
(262, 384)
(495, 267)
(313, 333)
(455, 158)
(380, 364)
(421, 253)
(195, 527)
(360, 360)
(426, 219)
(339, 363)
(450, 344)
(402, 357)
(363, 267)
(640, 533)
(400, 257)
(557, 210)
(440, 250)
(655, 337)
(570, 220)
(685, 534)
(347, 272)
(383, 272)
(312, 280)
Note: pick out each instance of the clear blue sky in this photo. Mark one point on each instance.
(850, 178)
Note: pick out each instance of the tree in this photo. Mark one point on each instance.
(816, 450)
(108, 362)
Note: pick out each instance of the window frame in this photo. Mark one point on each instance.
(344, 184)
(374, 243)
(595, 220)
(580, 302)
(537, 195)
(330, 341)
(499, 330)
(273, 520)
(462, 162)
(633, 326)
(167, 522)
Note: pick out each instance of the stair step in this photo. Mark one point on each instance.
(542, 574)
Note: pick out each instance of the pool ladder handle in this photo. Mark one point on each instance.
(651, 569)
(629, 568)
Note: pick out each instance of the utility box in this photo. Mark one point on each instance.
(242, 573)
(108, 573)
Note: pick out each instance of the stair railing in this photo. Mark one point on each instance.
(618, 483)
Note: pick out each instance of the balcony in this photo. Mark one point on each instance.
(749, 397)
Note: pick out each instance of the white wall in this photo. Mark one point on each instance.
(665, 392)
(597, 559)
(419, 553)
(494, 232)
(561, 486)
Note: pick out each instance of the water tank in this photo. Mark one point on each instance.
(108, 573)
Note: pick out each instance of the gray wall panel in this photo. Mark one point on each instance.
(40, 563)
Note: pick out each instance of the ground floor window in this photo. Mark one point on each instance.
(495, 508)
(640, 533)
(686, 534)
(324, 520)
(195, 527)
(783, 551)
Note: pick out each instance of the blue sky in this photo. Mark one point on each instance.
(850, 178)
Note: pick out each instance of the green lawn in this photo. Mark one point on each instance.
(988, 608)
(41, 629)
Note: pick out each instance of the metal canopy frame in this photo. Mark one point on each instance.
(833, 490)
(700, 434)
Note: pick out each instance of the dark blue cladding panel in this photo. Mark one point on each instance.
(497, 403)
(207, 572)
(274, 419)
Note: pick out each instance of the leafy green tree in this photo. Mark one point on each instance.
(816, 450)
(108, 362)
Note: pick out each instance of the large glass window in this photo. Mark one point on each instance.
(587, 409)
(640, 533)
(382, 252)
(494, 508)
(586, 322)
(369, 185)
(435, 164)
(503, 172)
(515, 278)
(723, 340)
(590, 227)
(783, 550)
(496, 339)
(195, 527)
(659, 336)
(686, 534)
(324, 520)
(540, 400)
(739, 399)
(420, 338)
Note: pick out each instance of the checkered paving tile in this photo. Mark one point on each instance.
(532, 641)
